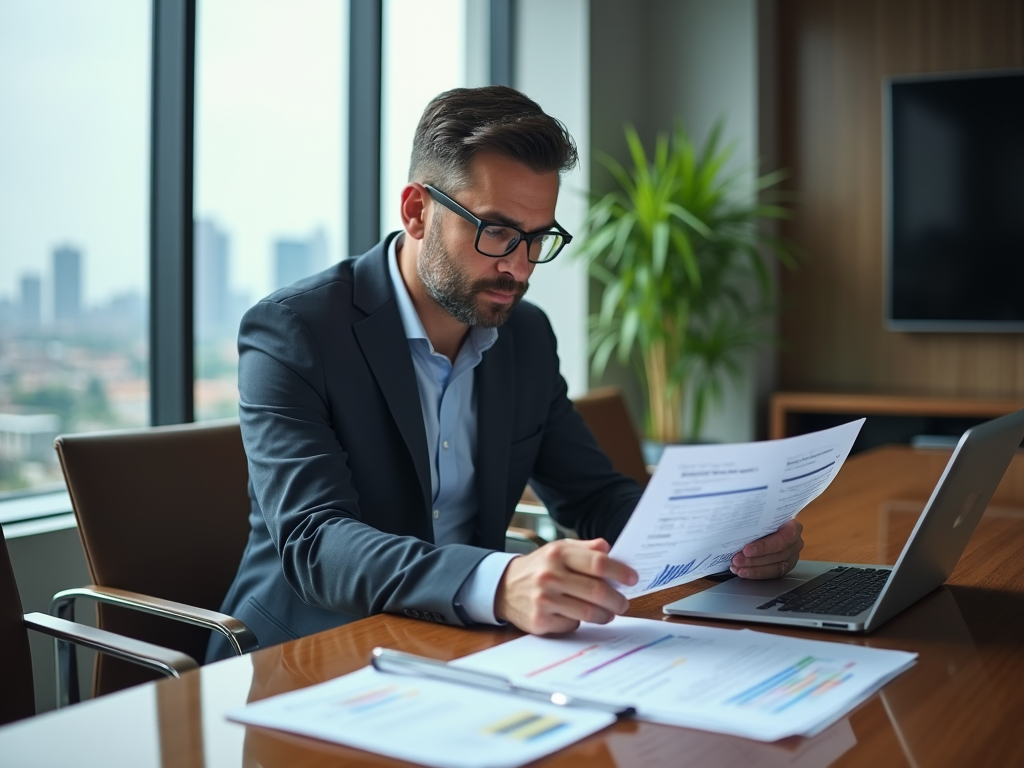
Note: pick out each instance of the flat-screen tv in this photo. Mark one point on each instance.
(954, 162)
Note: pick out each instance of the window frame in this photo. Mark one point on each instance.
(172, 342)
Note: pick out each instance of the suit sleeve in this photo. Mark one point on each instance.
(572, 475)
(331, 554)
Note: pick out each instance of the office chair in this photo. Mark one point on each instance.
(163, 516)
(522, 541)
(604, 410)
(18, 699)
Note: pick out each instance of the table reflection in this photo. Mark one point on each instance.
(652, 744)
(926, 705)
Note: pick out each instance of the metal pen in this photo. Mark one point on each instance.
(398, 662)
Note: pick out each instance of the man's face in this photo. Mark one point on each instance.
(473, 288)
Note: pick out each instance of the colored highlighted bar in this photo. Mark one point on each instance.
(630, 652)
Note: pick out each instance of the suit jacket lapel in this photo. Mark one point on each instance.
(381, 337)
(495, 397)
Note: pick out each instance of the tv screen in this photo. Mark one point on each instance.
(955, 202)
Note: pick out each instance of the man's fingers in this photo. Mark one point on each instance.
(561, 584)
(742, 561)
(590, 590)
(788, 534)
(592, 560)
(767, 567)
(773, 571)
(568, 607)
(772, 556)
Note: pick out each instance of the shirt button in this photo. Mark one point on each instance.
(437, 514)
(445, 445)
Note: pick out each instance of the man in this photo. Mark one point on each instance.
(394, 407)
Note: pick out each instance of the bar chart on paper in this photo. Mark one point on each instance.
(810, 677)
(670, 572)
(708, 564)
(525, 725)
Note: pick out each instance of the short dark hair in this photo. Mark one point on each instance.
(459, 123)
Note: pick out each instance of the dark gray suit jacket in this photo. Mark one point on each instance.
(339, 475)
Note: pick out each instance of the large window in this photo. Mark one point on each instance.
(427, 48)
(270, 176)
(74, 226)
(270, 188)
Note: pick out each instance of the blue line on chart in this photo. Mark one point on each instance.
(812, 472)
(672, 572)
(717, 493)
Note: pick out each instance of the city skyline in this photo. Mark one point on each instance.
(269, 135)
(49, 298)
(270, 186)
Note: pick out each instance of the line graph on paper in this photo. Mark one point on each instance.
(619, 665)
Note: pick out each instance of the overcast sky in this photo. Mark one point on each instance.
(74, 95)
(270, 114)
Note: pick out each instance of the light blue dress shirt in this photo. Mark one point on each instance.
(448, 399)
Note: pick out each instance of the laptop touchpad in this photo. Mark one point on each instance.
(756, 587)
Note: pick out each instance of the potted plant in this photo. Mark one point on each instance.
(684, 274)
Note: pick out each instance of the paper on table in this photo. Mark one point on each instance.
(425, 721)
(760, 686)
(706, 502)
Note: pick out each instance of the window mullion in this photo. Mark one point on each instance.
(170, 321)
(364, 116)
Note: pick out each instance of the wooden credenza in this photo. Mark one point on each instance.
(789, 408)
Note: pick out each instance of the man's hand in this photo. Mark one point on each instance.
(771, 557)
(561, 584)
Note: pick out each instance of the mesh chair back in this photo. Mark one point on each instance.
(17, 699)
(605, 412)
(162, 511)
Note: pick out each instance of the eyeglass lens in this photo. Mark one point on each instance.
(499, 241)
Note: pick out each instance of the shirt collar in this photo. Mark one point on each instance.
(481, 338)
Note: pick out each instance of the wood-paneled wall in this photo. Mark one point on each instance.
(831, 58)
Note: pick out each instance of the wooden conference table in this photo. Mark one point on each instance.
(962, 704)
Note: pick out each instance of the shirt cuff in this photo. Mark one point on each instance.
(476, 595)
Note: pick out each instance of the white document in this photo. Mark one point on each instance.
(425, 721)
(706, 502)
(751, 684)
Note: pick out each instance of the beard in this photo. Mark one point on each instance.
(455, 293)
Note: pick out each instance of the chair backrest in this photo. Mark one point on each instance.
(605, 412)
(162, 511)
(17, 699)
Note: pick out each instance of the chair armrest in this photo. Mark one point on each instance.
(154, 657)
(239, 636)
(525, 535)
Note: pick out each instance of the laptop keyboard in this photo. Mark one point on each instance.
(843, 591)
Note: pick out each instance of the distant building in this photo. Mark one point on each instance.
(67, 284)
(122, 314)
(30, 305)
(213, 306)
(28, 436)
(8, 313)
(295, 259)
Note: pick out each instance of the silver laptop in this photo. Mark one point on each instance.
(858, 598)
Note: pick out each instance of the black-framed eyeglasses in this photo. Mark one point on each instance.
(497, 239)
